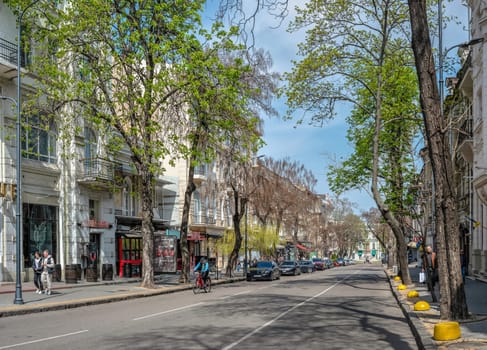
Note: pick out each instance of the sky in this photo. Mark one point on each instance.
(319, 147)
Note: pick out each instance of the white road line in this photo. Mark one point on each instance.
(43, 339)
(233, 295)
(166, 312)
(231, 346)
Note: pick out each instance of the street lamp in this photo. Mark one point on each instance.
(18, 215)
(246, 239)
(441, 58)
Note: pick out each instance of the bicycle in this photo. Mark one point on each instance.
(199, 286)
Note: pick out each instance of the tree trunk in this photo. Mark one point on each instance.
(183, 242)
(452, 294)
(387, 214)
(146, 179)
(240, 205)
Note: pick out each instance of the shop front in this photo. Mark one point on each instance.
(129, 244)
(39, 231)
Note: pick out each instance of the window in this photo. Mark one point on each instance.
(90, 144)
(197, 207)
(39, 141)
(40, 231)
(93, 206)
(128, 199)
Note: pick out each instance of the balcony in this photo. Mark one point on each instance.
(202, 220)
(200, 174)
(98, 171)
(8, 59)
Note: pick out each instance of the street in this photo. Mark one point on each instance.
(343, 308)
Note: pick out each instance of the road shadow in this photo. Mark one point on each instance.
(323, 323)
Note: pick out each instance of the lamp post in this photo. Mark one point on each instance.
(18, 215)
(246, 239)
(442, 55)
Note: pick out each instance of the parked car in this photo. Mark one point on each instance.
(340, 262)
(318, 263)
(328, 263)
(264, 270)
(290, 267)
(306, 266)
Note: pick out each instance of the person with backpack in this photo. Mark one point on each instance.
(38, 268)
(47, 271)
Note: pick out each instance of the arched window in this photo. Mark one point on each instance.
(39, 139)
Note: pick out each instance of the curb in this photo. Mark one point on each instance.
(421, 335)
(23, 310)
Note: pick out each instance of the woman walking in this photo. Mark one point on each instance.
(38, 267)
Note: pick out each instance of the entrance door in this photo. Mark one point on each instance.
(94, 250)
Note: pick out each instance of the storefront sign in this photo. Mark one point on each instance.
(96, 224)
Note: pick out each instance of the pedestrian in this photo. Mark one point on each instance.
(238, 266)
(37, 267)
(47, 271)
(463, 264)
(429, 265)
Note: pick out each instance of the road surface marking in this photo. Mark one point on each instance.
(268, 323)
(43, 339)
(166, 312)
(233, 295)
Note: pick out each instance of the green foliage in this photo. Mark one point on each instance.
(357, 52)
(146, 72)
(260, 238)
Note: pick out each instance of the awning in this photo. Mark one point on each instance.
(173, 233)
(302, 247)
(129, 234)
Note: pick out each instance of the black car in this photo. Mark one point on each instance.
(306, 266)
(264, 270)
(290, 267)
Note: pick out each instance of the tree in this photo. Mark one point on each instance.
(376, 225)
(136, 68)
(222, 111)
(356, 52)
(452, 294)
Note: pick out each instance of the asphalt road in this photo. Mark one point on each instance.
(343, 308)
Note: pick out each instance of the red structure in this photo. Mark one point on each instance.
(129, 256)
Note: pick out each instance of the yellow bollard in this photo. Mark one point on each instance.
(421, 306)
(447, 331)
(401, 287)
(413, 294)
(397, 278)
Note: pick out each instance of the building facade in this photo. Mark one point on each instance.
(78, 201)
(470, 146)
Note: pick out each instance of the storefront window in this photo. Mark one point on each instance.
(40, 230)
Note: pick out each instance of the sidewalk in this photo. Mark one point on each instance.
(71, 295)
(473, 331)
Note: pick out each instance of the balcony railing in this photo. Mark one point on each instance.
(8, 51)
(203, 220)
(98, 170)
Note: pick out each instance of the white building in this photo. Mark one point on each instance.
(78, 201)
(473, 85)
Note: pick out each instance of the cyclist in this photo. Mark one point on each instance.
(203, 268)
